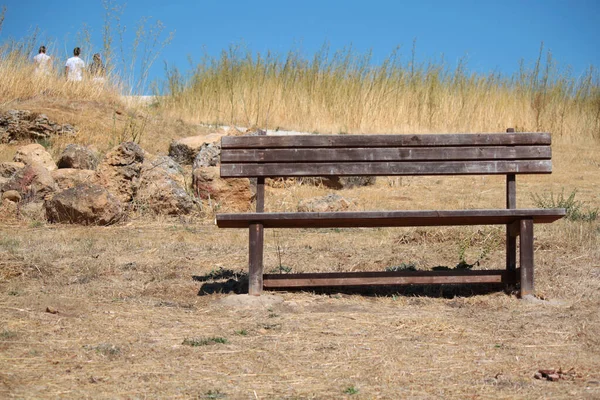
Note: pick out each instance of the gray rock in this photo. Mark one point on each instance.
(331, 202)
(121, 169)
(16, 125)
(78, 157)
(208, 156)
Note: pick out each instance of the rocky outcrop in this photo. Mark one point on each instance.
(208, 156)
(67, 178)
(184, 150)
(120, 171)
(161, 190)
(233, 194)
(34, 153)
(331, 202)
(78, 157)
(84, 204)
(34, 183)
(18, 125)
(8, 169)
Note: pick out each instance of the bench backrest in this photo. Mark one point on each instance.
(386, 155)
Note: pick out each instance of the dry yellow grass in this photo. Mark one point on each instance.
(126, 300)
(344, 92)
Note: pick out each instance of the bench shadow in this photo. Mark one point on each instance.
(236, 282)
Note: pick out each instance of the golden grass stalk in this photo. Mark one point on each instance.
(345, 92)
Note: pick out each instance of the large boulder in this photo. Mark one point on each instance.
(8, 169)
(233, 194)
(34, 183)
(34, 153)
(161, 190)
(78, 157)
(331, 202)
(184, 150)
(120, 171)
(85, 204)
(18, 125)
(67, 178)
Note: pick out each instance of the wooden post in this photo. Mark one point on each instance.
(255, 279)
(511, 240)
(256, 245)
(526, 257)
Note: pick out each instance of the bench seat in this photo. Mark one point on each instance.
(370, 219)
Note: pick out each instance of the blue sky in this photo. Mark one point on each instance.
(490, 35)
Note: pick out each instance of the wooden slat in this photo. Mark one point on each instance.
(385, 154)
(387, 168)
(409, 140)
(383, 278)
(388, 218)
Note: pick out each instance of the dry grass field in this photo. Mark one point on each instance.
(123, 311)
(115, 312)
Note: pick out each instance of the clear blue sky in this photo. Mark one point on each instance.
(492, 35)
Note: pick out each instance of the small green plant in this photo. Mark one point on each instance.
(13, 293)
(577, 210)
(36, 224)
(106, 349)
(213, 394)
(196, 342)
(6, 334)
(351, 390)
(242, 332)
(402, 267)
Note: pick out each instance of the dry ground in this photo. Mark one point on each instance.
(111, 312)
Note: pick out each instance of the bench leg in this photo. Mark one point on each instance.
(255, 279)
(526, 257)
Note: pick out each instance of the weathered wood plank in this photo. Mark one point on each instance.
(526, 257)
(387, 168)
(255, 259)
(383, 278)
(371, 154)
(388, 218)
(425, 140)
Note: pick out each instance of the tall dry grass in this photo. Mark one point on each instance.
(344, 92)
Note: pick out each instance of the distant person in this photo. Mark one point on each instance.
(42, 62)
(97, 69)
(75, 66)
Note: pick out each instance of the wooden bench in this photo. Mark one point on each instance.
(390, 155)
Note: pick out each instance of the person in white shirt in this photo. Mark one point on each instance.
(42, 62)
(75, 66)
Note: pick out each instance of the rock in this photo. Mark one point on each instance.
(208, 155)
(78, 157)
(85, 204)
(35, 153)
(167, 165)
(347, 182)
(33, 211)
(9, 210)
(25, 125)
(184, 150)
(2, 182)
(34, 183)
(11, 195)
(120, 171)
(160, 192)
(67, 178)
(233, 193)
(8, 169)
(331, 202)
